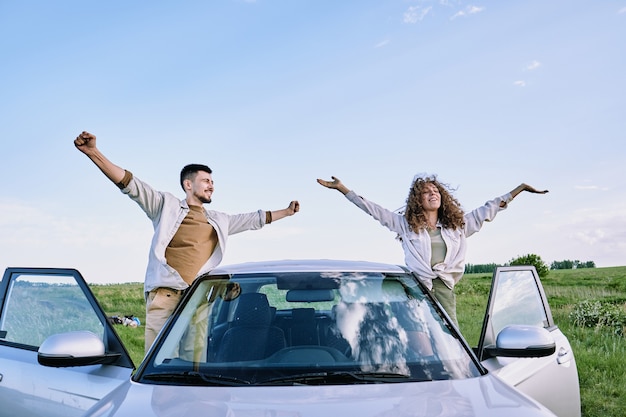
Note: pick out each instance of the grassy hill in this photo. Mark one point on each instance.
(597, 296)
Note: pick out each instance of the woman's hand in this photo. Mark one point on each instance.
(334, 184)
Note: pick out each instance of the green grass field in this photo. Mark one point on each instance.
(599, 351)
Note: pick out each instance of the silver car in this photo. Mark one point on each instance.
(290, 338)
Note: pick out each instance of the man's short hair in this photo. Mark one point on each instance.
(189, 172)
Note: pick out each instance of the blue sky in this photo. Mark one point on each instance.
(272, 94)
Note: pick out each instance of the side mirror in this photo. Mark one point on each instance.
(521, 341)
(78, 348)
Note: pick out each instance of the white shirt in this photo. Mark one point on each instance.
(167, 212)
(417, 246)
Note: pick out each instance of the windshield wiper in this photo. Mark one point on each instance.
(196, 378)
(321, 378)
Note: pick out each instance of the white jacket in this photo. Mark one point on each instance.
(167, 212)
(417, 246)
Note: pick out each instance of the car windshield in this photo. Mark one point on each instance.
(307, 328)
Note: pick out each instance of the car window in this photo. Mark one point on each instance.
(260, 328)
(518, 301)
(516, 298)
(38, 306)
(288, 299)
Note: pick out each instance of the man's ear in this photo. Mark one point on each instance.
(187, 184)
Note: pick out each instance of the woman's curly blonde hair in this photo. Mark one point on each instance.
(450, 213)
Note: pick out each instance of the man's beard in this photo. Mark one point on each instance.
(203, 199)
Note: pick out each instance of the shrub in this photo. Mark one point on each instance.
(590, 313)
(534, 260)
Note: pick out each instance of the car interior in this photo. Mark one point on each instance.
(370, 323)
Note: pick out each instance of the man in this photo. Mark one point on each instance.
(188, 240)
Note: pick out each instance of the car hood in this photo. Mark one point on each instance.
(483, 396)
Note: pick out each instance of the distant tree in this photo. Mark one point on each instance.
(480, 268)
(567, 264)
(588, 264)
(534, 260)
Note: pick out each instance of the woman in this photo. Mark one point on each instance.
(433, 230)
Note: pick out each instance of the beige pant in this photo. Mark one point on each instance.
(160, 305)
(446, 298)
(193, 346)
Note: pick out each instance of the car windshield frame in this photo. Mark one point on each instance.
(350, 327)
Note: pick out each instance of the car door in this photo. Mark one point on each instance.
(517, 298)
(36, 303)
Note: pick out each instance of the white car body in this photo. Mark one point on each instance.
(523, 365)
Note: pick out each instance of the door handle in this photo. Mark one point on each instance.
(564, 356)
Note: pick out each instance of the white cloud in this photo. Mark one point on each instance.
(416, 13)
(469, 10)
(382, 43)
(599, 227)
(520, 83)
(533, 65)
(590, 187)
(622, 10)
(475, 9)
(34, 237)
(589, 237)
(594, 233)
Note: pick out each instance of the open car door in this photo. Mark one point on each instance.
(517, 329)
(58, 353)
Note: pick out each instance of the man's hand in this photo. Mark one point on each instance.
(293, 208)
(85, 142)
